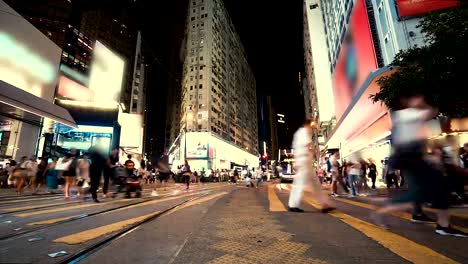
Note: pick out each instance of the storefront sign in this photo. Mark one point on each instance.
(418, 7)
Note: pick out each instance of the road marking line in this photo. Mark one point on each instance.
(52, 221)
(55, 220)
(402, 215)
(94, 233)
(399, 245)
(30, 207)
(198, 201)
(28, 200)
(275, 204)
(154, 202)
(68, 208)
(432, 210)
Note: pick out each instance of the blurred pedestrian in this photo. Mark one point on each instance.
(109, 170)
(71, 172)
(51, 175)
(305, 171)
(426, 182)
(98, 162)
(83, 174)
(186, 173)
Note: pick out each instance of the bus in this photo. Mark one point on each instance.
(287, 165)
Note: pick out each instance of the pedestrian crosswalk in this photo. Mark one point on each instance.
(398, 244)
(350, 214)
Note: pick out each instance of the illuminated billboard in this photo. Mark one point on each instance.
(101, 90)
(28, 59)
(418, 7)
(106, 77)
(197, 145)
(131, 130)
(356, 60)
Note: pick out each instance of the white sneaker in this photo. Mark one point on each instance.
(154, 193)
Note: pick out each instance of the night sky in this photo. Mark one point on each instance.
(271, 32)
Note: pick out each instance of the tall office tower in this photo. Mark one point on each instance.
(137, 100)
(218, 86)
(114, 29)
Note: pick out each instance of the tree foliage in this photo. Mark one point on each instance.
(437, 70)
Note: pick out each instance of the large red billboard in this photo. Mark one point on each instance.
(355, 61)
(418, 7)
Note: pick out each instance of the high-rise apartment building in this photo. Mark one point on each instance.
(218, 85)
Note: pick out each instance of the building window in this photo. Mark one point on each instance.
(191, 78)
(192, 19)
(199, 116)
(200, 86)
(201, 77)
(199, 126)
(194, 10)
(200, 106)
(191, 87)
(203, 8)
(201, 58)
(191, 97)
(200, 96)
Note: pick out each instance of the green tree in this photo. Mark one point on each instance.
(438, 70)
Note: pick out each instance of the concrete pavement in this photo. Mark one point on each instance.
(224, 224)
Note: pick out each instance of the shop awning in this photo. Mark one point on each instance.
(24, 101)
(361, 114)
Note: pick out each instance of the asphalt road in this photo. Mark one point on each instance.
(215, 223)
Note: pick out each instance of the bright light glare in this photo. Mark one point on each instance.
(100, 105)
(95, 129)
(22, 67)
(106, 76)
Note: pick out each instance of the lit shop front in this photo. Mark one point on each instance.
(206, 151)
(29, 64)
(364, 123)
(93, 102)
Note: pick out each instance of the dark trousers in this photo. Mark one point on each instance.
(95, 174)
(392, 180)
(373, 179)
(187, 180)
(107, 175)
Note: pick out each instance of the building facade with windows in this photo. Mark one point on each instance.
(218, 85)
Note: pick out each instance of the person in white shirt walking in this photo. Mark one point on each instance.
(305, 171)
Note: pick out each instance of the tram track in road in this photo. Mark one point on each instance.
(95, 247)
(30, 200)
(20, 197)
(110, 210)
(6, 211)
(84, 216)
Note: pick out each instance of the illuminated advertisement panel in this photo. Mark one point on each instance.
(101, 90)
(197, 145)
(131, 132)
(356, 59)
(418, 7)
(106, 77)
(28, 59)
